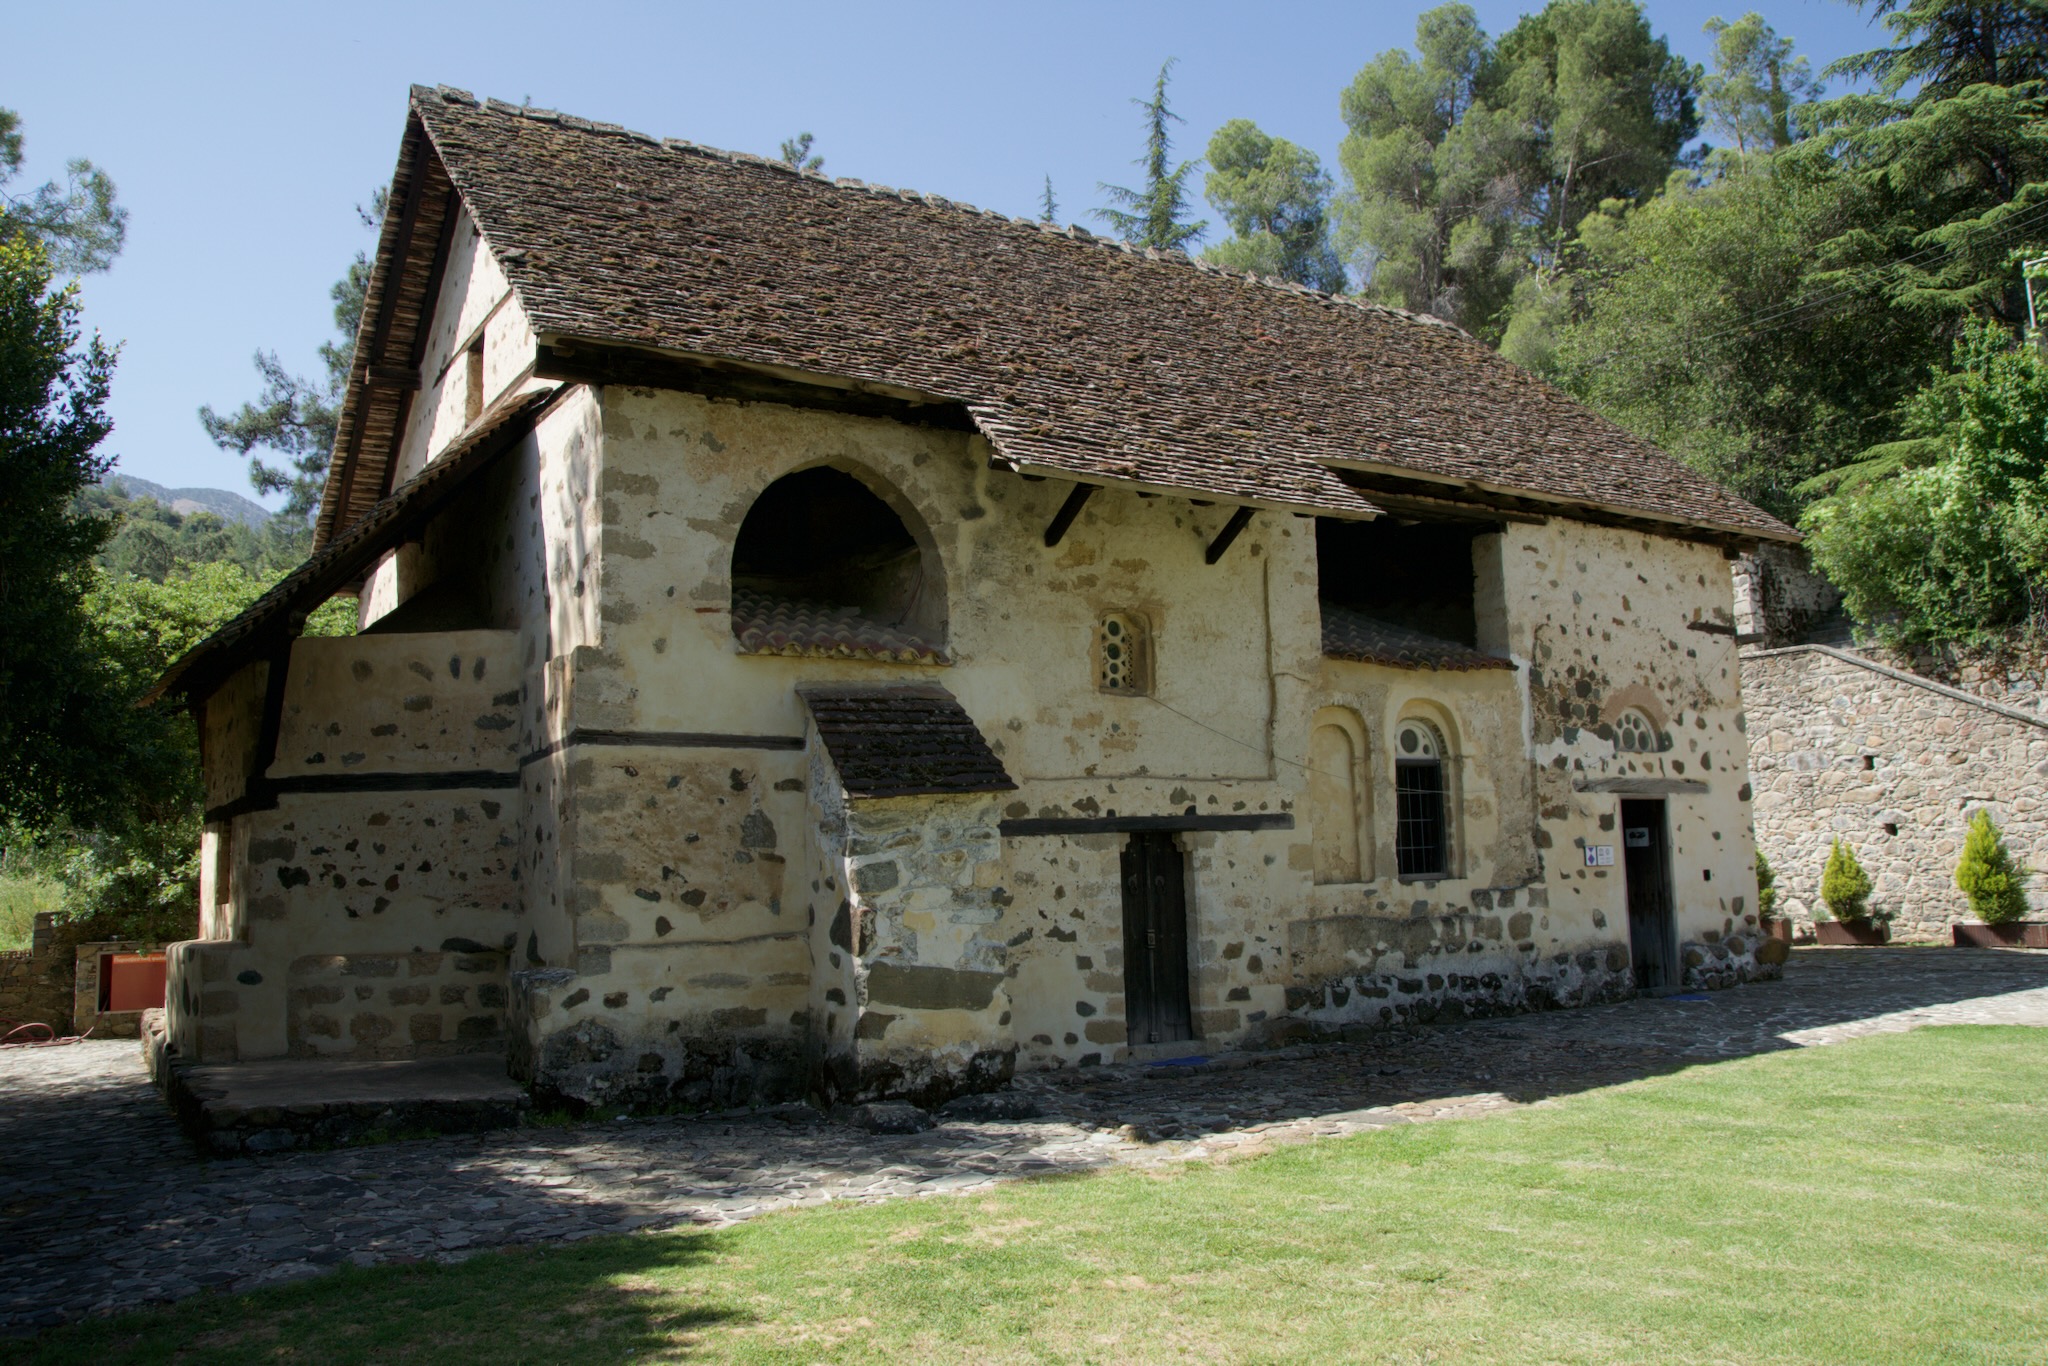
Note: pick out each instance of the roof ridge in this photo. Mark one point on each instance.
(1073, 231)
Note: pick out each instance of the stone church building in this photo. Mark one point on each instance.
(823, 639)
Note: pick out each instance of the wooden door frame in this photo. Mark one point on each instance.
(1666, 953)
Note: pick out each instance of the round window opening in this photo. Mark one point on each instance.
(1633, 734)
(1122, 659)
(1416, 741)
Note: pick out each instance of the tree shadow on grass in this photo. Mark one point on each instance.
(622, 1299)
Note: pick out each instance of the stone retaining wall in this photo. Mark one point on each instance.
(1896, 766)
(35, 983)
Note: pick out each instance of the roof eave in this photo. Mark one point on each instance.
(1770, 530)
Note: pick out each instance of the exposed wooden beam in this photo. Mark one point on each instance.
(1077, 498)
(392, 377)
(1239, 520)
(1122, 825)
(590, 363)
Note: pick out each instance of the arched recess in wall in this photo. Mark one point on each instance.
(1338, 816)
(827, 563)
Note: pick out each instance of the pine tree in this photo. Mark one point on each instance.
(797, 152)
(1048, 207)
(1987, 873)
(1152, 217)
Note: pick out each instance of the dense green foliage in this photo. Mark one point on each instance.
(1766, 888)
(1844, 887)
(1155, 214)
(1469, 168)
(1953, 544)
(1988, 874)
(54, 694)
(1275, 197)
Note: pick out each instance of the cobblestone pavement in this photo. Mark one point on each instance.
(105, 1206)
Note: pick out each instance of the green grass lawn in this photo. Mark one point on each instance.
(1878, 1201)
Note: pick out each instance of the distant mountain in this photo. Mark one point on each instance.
(229, 507)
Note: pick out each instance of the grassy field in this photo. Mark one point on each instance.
(1879, 1201)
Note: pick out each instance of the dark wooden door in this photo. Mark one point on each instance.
(1652, 929)
(1155, 940)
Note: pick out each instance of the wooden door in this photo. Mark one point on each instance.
(1652, 928)
(1155, 940)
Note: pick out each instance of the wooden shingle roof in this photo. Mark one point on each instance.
(1075, 356)
(903, 740)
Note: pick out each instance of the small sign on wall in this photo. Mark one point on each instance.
(1599, 856)
(1638, 838)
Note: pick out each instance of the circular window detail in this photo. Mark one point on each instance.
(1417, 741)
(1633, 734)
(1121, 655)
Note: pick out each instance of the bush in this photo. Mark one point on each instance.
(1844, 886)
(1995, 882)
(1766, 889)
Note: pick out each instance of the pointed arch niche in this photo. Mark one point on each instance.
(1339, 814)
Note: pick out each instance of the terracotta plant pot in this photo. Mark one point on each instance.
(2014, 934)
(1780, 930)
(1851, 932)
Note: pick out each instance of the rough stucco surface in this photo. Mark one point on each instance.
(1840, 751)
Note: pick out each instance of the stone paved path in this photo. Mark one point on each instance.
(104, 1206)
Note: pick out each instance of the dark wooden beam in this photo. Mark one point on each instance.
(591, 363)
(1476, 502)
(662, 739)
(1122, 825)
(392, 377)
(1077, 498)
(1239, 520)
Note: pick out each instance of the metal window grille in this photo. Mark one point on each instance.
(1419, 843)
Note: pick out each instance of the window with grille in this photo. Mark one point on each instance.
(1421, 839)
(1123, 655)
(1633, 733)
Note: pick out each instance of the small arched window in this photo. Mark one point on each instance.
(1633, 733)
(1123, 655)
(1422, 844)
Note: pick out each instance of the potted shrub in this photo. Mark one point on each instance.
(1767, 902)
(1996, 884)
(1845, 889)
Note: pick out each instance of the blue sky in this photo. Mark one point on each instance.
(241, 136)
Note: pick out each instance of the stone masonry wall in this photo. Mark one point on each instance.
(35, 983)
(1894, 765)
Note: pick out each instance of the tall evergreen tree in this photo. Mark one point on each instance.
(79, 224)
(1048, 207)
(1433, 177)
(1952, 145)
(1154, 216)
(1275, 196)
(1756, 94)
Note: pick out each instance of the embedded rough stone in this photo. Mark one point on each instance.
(929, 988)
(884, 1117)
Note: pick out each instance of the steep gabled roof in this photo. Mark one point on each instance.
(1075, 356)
